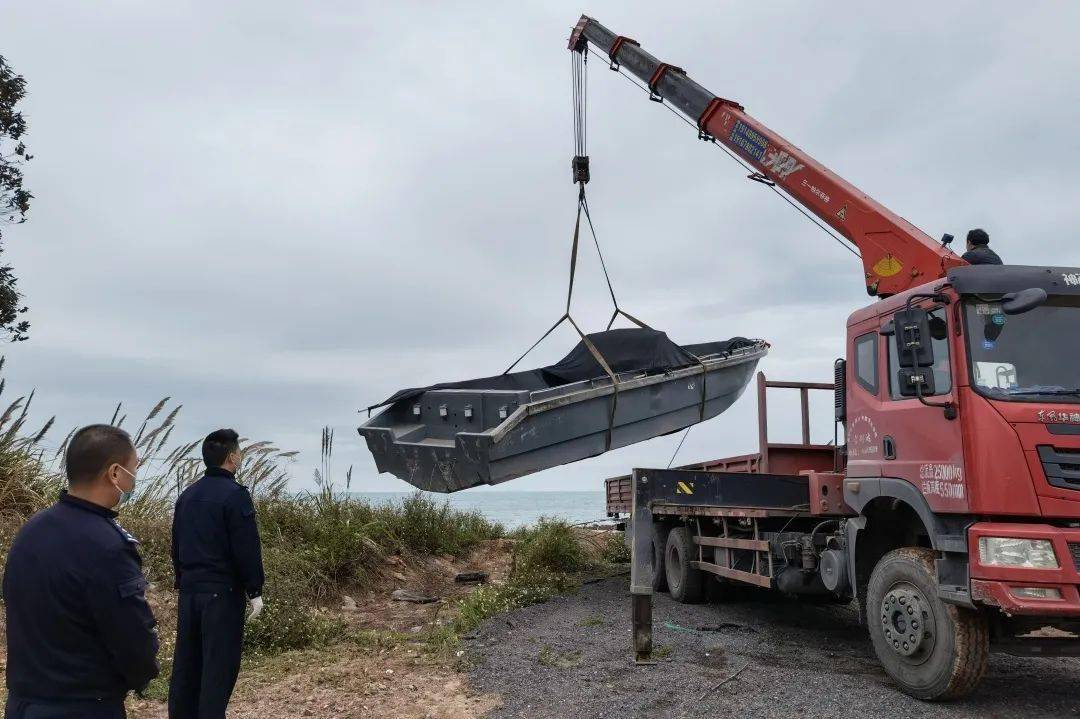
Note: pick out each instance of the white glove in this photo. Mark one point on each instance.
(256, 604)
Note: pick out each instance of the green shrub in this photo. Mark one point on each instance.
(316, 545)
(615, 550)
(524, 589)
(420, 524)
(331, 535)
(288, 624)
(548, 560)
(289, 619)
(551, 545)
(344, 540)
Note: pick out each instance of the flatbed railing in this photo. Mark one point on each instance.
(772, 457)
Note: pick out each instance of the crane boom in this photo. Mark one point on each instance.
(896, 255)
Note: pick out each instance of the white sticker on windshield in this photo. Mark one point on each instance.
(984, 309)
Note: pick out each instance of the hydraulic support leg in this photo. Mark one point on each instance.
(641, 568)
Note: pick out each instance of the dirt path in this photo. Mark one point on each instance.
(571, 659)
(401, 679)
(350, 682)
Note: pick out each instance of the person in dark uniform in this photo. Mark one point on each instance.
(218, 563)
(80, 634)
(978, 249)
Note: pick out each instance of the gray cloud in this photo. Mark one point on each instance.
(279, 213)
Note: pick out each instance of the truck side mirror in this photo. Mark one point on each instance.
(913, 340)
(840, 389)
(1017, 303)
(909, 379)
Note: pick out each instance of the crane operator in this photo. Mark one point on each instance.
(978, 249)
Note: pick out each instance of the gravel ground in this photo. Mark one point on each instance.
(571, 659)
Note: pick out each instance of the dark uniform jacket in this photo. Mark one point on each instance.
(215, 540)
(981, 255)
(78, 625)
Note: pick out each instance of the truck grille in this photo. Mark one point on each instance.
(1062, 466)
(1074, 550)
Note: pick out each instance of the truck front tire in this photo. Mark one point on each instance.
(684, 581)
(934, 651)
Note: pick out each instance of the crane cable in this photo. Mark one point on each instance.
(580, 166)
(676, 452)
(754, 174)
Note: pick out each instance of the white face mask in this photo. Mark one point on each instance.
(125, 496)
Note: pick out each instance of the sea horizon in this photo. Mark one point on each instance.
(513, 508)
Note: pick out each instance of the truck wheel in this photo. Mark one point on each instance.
(684, 582)
(659, 544)
(933, 650)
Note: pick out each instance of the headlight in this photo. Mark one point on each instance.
(1036, 592)
(1013, 552)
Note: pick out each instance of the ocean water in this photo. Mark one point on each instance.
(514, 509)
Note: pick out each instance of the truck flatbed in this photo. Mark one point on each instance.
(794, 462)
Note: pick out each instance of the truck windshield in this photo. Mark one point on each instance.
(1028, 357)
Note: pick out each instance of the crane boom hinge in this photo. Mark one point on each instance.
(658, 75)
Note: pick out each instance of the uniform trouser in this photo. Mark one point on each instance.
(88, 709)
(209, 635)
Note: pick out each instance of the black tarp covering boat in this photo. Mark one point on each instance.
(452, 436)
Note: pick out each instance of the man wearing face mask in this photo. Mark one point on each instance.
(218, 563)
(80, 634)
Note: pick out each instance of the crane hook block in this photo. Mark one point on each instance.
(580, 164)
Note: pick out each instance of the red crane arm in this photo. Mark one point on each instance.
(896, 255)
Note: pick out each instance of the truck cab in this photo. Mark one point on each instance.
(985, 464)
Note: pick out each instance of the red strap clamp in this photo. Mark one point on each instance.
(711, 109)
(662, 68)
(614, 51)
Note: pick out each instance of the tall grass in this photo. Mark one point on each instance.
(315, 544)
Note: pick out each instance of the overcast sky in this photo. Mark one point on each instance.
(279, 212)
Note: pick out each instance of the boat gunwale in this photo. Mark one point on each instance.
(708, 364)
(496, 433)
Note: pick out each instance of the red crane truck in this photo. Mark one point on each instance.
(949, 507)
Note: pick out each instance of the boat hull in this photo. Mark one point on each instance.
(446, 440)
